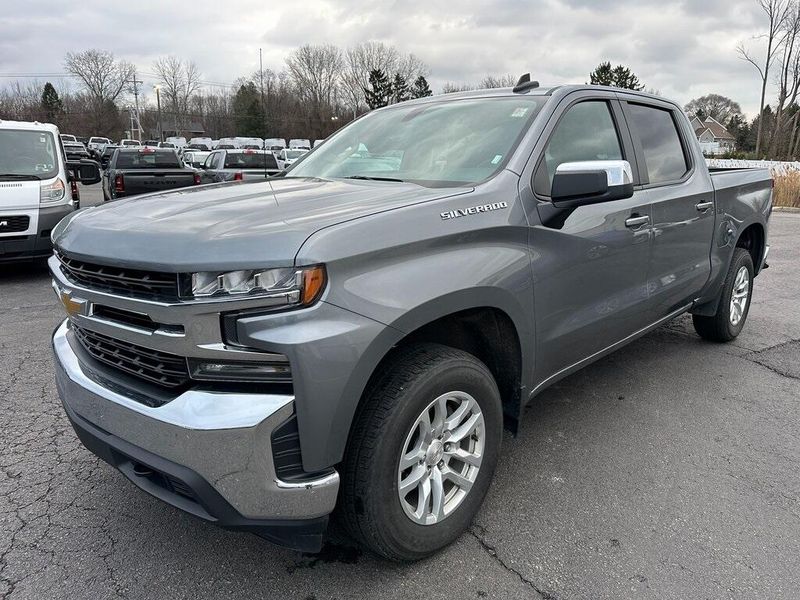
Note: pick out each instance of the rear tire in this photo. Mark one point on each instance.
(734, 301)
(406, 492)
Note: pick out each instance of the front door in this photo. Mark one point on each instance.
(589, 263)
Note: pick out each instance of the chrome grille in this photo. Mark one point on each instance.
(161, 368)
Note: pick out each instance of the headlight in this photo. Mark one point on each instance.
(52, 192)
(300, 286)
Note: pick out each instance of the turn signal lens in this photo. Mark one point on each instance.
(313, 284)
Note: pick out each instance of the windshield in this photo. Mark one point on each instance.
(246, 160)
(28, 153)
(147, 160)
(444, 143)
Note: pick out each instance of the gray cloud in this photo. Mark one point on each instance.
(683, 48)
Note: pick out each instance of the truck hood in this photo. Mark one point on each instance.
(227, 226)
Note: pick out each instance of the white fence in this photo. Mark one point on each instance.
(776, 167)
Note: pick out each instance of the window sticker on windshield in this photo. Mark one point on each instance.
(519, 112)
(42, 139)
(497, 158)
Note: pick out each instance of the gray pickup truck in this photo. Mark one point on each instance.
(351, 338)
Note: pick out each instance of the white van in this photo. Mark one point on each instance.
(202, 141)
(300, 144)
(177, 142)
(37, 187)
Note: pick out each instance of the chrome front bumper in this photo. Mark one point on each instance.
(223, 438)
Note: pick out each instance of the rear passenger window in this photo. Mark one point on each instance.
(585, 132)
(663, 153)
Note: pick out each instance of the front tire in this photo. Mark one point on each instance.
(734, 302)
(422, 452)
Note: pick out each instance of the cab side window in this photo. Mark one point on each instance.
(585, 132)
(664, 157)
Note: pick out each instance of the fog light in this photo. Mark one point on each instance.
(277, 370)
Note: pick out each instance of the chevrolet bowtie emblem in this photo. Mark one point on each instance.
(73, 306)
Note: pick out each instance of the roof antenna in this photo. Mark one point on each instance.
(524, 84)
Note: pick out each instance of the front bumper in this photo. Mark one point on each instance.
(15, 248)
(208, 453)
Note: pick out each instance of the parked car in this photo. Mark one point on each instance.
(318, 142)
(286, 158)
(66, 137)
(82, 140)
(300, 144)
(166, 145)
(201, 143)
(354, 335)
(106, 154)
(238, 165)
(37, 188)
(150, 143)
(227, 144)
(130, 144)
(195, 158)
(132, 172)
(274, 144)
(189, 147)
(97, 145)
(177, 141)
(75, 151)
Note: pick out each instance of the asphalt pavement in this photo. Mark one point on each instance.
(670, 469)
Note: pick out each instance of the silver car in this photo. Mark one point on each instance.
(238, 165)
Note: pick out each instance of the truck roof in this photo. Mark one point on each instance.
(30, 125)
(535, 91)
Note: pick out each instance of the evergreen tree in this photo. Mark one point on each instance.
(379, 91)
(400, 91)
(421, 89)
(52, 106)
(619, 76)
(248, 113)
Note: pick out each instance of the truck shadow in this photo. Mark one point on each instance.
(23, 271)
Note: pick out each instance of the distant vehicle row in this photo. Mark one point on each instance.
(95, 146)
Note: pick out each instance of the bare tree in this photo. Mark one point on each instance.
(788, 80)
(180, 80)
(777, 11)
(492, 81)
(100, 74)
(315, 72)
(362, 59)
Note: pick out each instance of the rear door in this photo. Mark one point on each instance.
(589, 263)
(682, 205)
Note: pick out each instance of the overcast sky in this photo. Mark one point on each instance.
(683, 48)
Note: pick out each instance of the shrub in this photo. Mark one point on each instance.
(787, 189)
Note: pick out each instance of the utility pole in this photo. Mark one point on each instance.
(263, 106)
(136, 83)
(158, 102)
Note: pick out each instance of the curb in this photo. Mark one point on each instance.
(788, 209)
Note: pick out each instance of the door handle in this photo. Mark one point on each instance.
(704, 206)
(636, 221)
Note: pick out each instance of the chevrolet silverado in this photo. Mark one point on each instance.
(352, 337)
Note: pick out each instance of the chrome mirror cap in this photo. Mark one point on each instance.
(618, 172)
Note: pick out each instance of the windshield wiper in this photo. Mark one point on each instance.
(366, 178)
(20, 176)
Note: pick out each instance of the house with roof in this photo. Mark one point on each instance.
(714, 138)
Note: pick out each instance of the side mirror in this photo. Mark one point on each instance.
(590, 182)
(87, 171)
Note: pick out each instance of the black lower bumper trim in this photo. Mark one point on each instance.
(183, 488)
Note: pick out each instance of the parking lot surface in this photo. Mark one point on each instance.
(670, 469)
